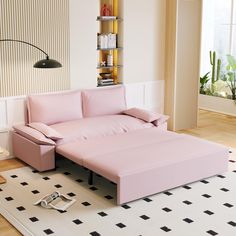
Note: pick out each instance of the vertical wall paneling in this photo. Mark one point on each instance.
(3, 114)
(43, 23)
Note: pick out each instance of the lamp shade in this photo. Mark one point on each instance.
(47, 63)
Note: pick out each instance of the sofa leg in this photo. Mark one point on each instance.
(90, 178)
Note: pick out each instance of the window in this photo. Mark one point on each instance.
(218, 31)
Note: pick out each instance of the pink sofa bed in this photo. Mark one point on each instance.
(132, 147)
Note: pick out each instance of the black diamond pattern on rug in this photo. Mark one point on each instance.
(71, 194)
(9, 199)
(211, 232)
(34, 219)
(188, 220)
(146, 199)
(86, 203)
(221, 176)
(14, 176)
(125, 206)
(187, 187)
(57, 186)
(168, 193)
(24, 184)
(204, 181)
(48, 231)
(209, 212)
(79, 180)
(144, 217)
(224, 189)
(109, 197)
(165, 228)
(232, 223)
(95, 233)
(46, 178)
(228, 205)
(187, 202)
(166, 209)
(20, 208)
(121, 225)
(93, 188)
(61, 211)
(35, 191)
(67, 173)
(102, 213)
(77, 221)
(206, 195)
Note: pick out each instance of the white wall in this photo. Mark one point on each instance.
(144, 40)
(83, 42)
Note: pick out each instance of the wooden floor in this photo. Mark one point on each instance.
(215, 127)
(211, 126)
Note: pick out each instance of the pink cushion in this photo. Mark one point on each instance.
(54, 108)
(97, 127)
(148, 116)
(33, 135)
(162, 120)
(103, 101)
(46, 130)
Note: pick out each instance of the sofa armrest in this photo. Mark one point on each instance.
(40, 157)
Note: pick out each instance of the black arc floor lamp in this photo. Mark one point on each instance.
(44, 63)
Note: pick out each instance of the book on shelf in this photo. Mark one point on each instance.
(106, 41)
(108, 81)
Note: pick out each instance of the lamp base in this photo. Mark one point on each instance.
(2, 180)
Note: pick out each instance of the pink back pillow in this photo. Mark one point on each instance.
(54, 108)
(103, 101)
(142, 114)
(46, 130)
(33, 135)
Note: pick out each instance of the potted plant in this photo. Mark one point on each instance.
(218, 85)
(230, 75)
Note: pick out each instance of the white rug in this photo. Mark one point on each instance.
(203, 208)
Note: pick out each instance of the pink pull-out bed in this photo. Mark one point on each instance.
(148, 161)
(132, 149)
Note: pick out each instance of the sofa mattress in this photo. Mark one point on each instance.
(140, 150)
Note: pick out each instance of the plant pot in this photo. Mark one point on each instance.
(217, 104)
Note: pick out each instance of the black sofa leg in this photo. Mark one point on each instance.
(90, 178)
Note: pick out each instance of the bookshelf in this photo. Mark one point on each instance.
(108, 44)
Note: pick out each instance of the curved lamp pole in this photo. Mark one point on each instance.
(44, 63)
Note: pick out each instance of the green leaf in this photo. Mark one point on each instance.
(231, 62)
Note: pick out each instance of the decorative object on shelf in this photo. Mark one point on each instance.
(105, 79)
(103, 63)
(106, 10)
(44, 63)
(107, 41)
(109, 59)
